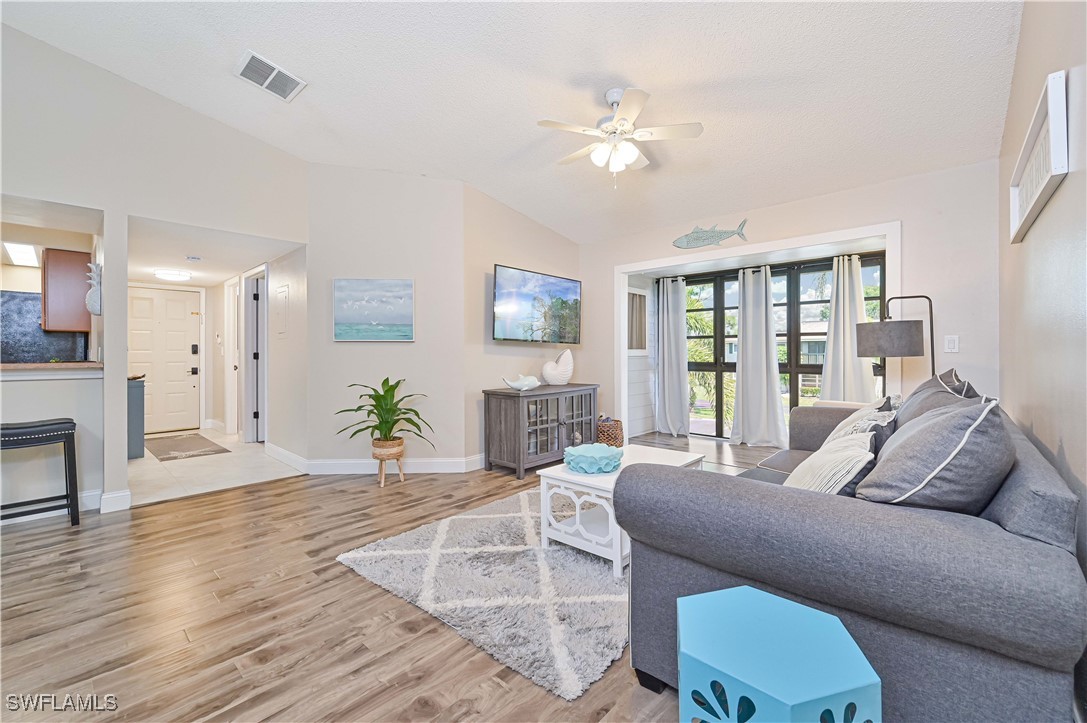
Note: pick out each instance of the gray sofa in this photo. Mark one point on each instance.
(962, 619)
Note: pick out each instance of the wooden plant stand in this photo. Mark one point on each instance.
(385, 450)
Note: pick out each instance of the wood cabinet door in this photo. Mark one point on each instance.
(64, 290)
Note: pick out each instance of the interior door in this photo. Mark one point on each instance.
(163, 344)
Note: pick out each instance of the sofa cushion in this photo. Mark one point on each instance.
(785, 460)
(880, 421)
(933, 394)
(836, 464)
(953, 458)
(1034, 500)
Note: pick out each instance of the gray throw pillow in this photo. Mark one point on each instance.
(939, 391)
(951, 458)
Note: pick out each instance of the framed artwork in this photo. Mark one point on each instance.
(1043, 160)
(373, 310)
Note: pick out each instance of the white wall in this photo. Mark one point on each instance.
(641, 373)
(289, 355)
(39, 471)
(77, 134)
(496, 234)
(370, 224)
(214, 360)
(949, 251)
(1043, 280)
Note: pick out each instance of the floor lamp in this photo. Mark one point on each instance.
(897, 338)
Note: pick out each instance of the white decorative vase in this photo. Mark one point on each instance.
(94, 296)
(559, 371)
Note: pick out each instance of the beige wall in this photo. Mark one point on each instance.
(370, 224)
(289, 380)
(39, 471)
(496, 234)
(214, 367)
(949, 251)
(1043, 328)
(77, 134)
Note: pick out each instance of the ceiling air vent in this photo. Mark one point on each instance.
(269, 76)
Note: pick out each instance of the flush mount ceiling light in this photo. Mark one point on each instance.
(22, 254)
(172, 275)
(616, 148)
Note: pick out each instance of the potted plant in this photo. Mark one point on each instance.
(387, 416)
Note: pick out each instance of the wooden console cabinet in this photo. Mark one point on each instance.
(527, 429)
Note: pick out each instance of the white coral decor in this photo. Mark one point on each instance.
(558, 372)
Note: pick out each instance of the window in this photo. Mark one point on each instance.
(801, 295)
(637, 321)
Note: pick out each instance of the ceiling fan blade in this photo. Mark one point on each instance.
(559, 125)
(630, 107)
(640, 162)
(668, 133)
(578, 154)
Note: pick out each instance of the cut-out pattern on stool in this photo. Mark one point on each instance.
(848, 715)
(745, 707)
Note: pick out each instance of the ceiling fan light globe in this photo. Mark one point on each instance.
(627, 152)
(600, 155)
(616, 165)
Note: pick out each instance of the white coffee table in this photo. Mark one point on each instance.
(595, 530)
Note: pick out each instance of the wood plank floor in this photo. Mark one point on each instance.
(231, 606)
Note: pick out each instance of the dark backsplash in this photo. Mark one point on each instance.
(22, 339)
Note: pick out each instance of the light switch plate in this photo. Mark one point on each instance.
(951, 344)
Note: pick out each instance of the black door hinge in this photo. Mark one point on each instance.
(256, 415)
(256, 297)
(256, 355)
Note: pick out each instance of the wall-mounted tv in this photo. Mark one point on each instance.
(534, 307)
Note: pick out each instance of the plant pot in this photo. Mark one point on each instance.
(385, 449)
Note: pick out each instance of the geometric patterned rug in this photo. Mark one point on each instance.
(556, 616)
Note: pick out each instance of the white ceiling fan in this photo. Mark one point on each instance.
(617, 134)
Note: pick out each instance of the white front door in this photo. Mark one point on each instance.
(163, 334)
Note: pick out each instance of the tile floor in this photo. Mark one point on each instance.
(153, 481)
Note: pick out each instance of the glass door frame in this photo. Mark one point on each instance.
(793, 335)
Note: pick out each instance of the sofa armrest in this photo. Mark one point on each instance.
(809, 427)
(954, 576)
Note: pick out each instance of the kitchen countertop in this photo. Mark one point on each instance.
(50, 366)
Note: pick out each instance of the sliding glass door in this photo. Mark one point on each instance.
(801, 294)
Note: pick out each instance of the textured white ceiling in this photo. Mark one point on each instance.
(154, 244)
(798, 99)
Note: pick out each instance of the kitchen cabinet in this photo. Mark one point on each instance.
(64, 290)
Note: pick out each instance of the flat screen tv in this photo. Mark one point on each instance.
(534, 307)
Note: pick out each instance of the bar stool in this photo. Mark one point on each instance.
(15, 435)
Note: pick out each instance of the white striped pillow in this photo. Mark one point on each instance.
(834, 465)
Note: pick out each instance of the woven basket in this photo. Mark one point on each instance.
(388, 449)
(610, 433)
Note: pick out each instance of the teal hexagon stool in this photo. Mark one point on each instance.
(747, 655)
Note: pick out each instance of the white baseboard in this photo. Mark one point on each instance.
(88, 500)
(115, 501)
(286, 457)
(213, 424)
(424, 465)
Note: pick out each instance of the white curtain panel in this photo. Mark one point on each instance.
(759, 418)
(846, 376)
(673, 415)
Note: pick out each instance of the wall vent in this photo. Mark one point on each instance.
(268, 76)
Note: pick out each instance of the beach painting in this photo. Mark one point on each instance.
(373, 309)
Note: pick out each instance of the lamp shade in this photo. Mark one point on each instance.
(891, 338)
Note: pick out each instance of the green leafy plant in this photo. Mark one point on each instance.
(386, 414)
